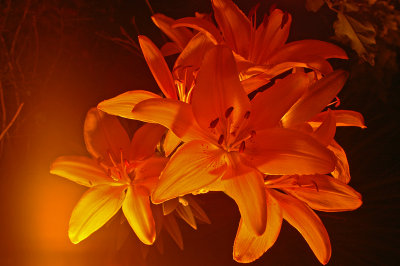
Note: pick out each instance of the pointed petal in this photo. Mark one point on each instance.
(301, 217)
(185, 212)
(234, 25)
(326, 131)
(136, 208)
(173, 114)
(316, 99)
(104, 136)
(246, 186)
(81, 170)
(195, 165)
(342, 171)
(145, 140)
(171, 142)
(197, 210)
(93, 210)
(344, 118)
(158, 67)
(123, 104)
(325, 193)
(170, 48)
(169, 206)
(272, 36)
(301, 50)
(180, 36)
(248, 247)
(147, 173)
(268, 107)
(203, 26)
(280, 151)
(218, 89)
(173, 229)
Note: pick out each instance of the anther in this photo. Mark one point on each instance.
(214, 123)
(285, 19)
(242, 147)
(221, 139)
(247, 115)
(228, 112)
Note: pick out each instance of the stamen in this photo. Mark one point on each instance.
(111, 158)
(221, 139)
(247, 115)
(228, 112)
(285, 19)
(214, 123)
(242, 147)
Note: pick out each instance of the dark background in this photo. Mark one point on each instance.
(67, 64)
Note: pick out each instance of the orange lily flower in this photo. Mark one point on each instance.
(122, 173)
(230, 142)
(262, 52)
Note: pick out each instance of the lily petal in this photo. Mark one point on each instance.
(268, 107)
(326, 131)
(218, 89)
(173, 229)
(171, 142)
(245, 185)
(82, 170)
(136, 208)
(105, 137)
(316, 99)
(325, 193)
(194, 165)
(303, 49)
(234, 25)
(147, 173)
(197, 210)
(279, 151)
(180, 36)
(301, 217)
(202, 25)
(173, 114)
(342, 171)
(248, 247)
(145, 140)
(158, 67)
(185, 212)
(123, 104)
(344, 118)
(93, 210)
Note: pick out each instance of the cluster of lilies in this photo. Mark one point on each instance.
(272, 152)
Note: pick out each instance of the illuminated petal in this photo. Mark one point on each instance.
(93, 210)
(180, 36)
(234, 25)
(324, 193)
(198, 212)
(193, 166)
(203, 26)
(105, 136)
(251, 84)
(80, 169)
(145, 140)
(271, 36)
(136, 208)
(169, 48)
(173, 114)
(326, 131)
(158, 67)
(185, 212)
(171, 142)
(342, 171)
(280, 151)
(302, 50)
(218, 89)
(169, 206)
(301, 217)
(248, 247)
(268, 107)
(246, 186)
(316, 99)
(123, 104)
(147, 173)
(344, 118)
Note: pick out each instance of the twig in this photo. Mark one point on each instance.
(12, 121)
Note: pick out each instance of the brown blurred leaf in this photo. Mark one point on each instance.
(360, 34)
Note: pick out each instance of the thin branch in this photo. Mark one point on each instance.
(12, 121)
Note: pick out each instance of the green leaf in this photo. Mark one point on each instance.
(361, 35)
